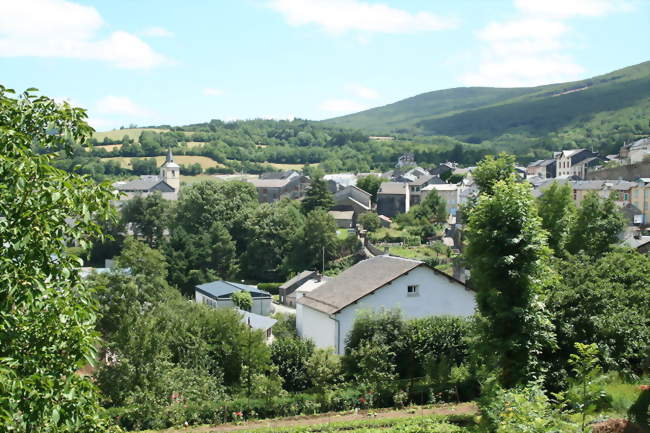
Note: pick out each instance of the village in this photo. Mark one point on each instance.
(326, 307)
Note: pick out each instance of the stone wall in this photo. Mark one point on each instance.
(626, 172)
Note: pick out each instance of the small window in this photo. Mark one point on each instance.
(412, 290)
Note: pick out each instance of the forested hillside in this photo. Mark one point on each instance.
(599, 112)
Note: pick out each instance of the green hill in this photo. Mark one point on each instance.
(477, 114)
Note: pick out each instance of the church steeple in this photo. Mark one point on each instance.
(170, 172)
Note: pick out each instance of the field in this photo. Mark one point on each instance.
(117, 134)
(287, 166)
(204, 161)
(441, 419)
(198, 178)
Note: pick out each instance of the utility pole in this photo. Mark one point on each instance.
(323, 260)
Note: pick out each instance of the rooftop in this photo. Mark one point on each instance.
(358, 281)
(224, 289)
(300, 276)
(142, 184)
(257, 321)
(441, 187)
(393, 188)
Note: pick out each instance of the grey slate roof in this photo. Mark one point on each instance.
(300, 276)
(256, 321)
(224, 289)
(424, 179)
(142, 185)
(397, 188)
(358, 281)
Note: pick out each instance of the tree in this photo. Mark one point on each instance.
(324, 368)
(491, 170)
(435, 207)
(596, 227)
(271, 228)
(315, 243)
(603, 301)
(317, 196)
(557, 210)
(200, 257)
(370, 221)
(506, 252)
(148, 217)
(370, 184)
(291, 355)
(47, 312)
(242, 300)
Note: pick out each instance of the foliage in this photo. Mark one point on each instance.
(324, 368)
(242, 300)
(432, 340)
(597, 225)
(314, 243)
(203, 256)
(147, 216)
(270, 232)
(317, 196)
(370, 221)
(435, 207)
(291, 355)
(506, 252)
(285, 327)
(605, 302)
(521, 409)
(370, 184)
(586, 390)
(557, 211)
(47, 312)
(492, 170)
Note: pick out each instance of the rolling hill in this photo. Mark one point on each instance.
(476, 114)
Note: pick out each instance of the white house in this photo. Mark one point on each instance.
(327, 314)
(219, 294)
(448, 191)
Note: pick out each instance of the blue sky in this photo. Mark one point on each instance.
(170, 62)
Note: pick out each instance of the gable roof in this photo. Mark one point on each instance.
(301, 276)
(224, 289)
(360, 280)
(144, 184)
(256, 321)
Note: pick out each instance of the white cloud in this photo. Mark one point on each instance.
(531, 49)
(59, 28)
(563, 9)
(211, 91)
(157, 32)
(120, 105)
(362, 91)
(342, 106)
(340, 16)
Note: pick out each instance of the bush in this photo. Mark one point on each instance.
(272, 288)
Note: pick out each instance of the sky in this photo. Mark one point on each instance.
(155, 62)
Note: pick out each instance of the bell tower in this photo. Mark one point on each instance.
(170, 172)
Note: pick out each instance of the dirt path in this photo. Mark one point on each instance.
(448, 409)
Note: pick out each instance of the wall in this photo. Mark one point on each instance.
(315, 325)
(260, 306)
(626, 172)
(437, 295)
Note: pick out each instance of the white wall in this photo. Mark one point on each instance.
(315, 325)
(260, 306)
(437, 295)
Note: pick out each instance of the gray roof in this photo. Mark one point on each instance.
(300, 276)
(640, 143)
(541, 163)
(621, 185)
(393, 188)
(224, 289)
(635, 243)
(424, 179)
(358, 281)
(341, 214)
(257, 321)
(145, 184)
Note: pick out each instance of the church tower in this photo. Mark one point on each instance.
(170, 172)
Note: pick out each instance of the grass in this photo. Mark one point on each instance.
(287, 166)
(204, 161)
(117, 134)
(198, 178)
(419, 252)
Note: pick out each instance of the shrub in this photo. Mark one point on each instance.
(272, 288)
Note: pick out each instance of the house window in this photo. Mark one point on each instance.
(626, 197)
(412, 290)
